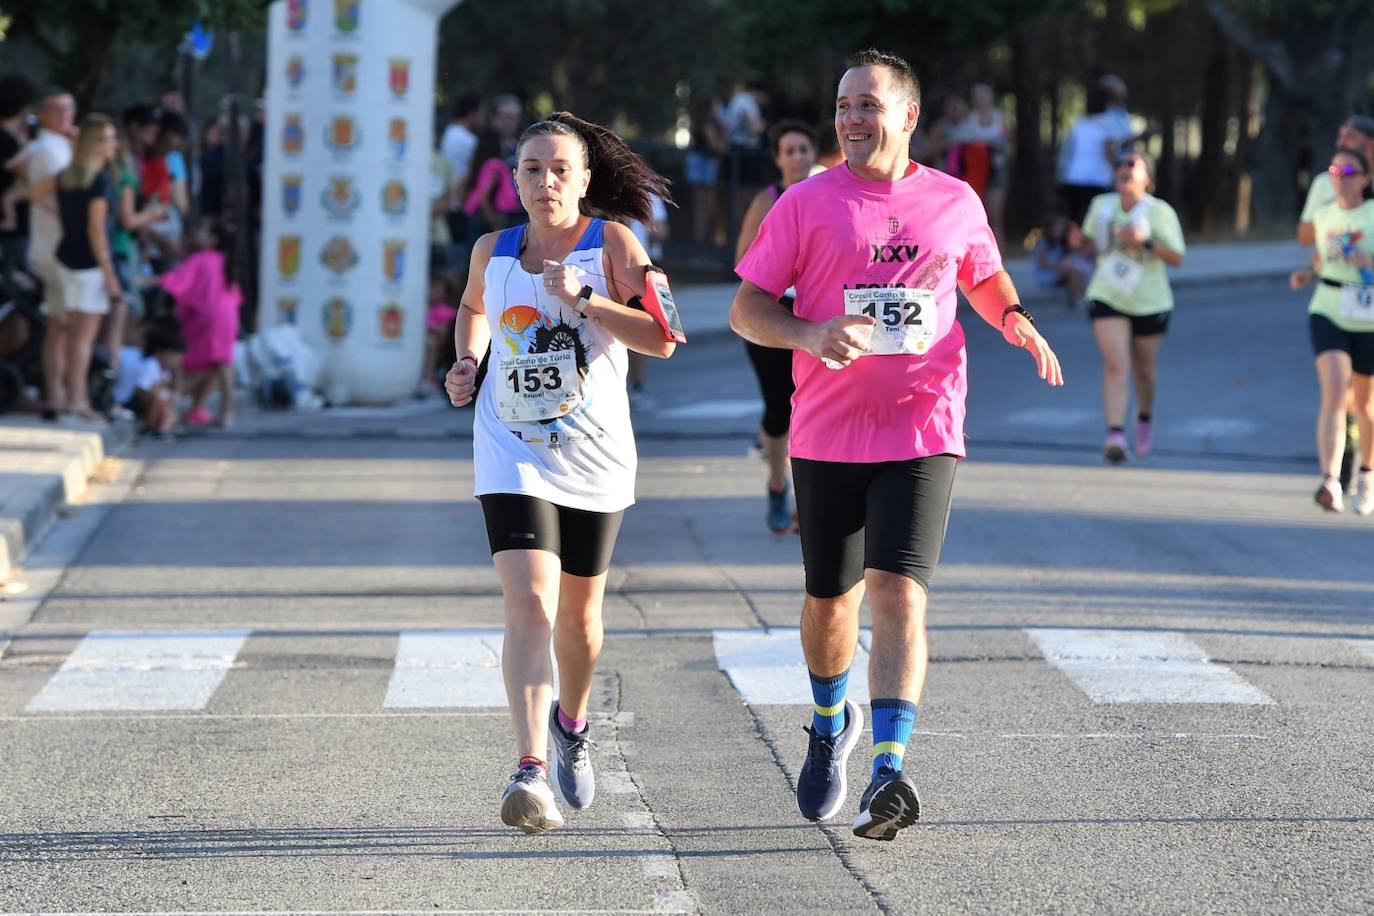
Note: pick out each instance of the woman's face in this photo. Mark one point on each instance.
(108, 145)
(795, 156)
(1348, 175)
(551, 177)
(1132, 174)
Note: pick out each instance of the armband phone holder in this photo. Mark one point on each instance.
(658, 302)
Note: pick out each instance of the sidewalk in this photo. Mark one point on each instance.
(44, 466)
(706, 308)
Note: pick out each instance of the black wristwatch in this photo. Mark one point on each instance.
(1019, 309)
(584, 299)
(1148, 244)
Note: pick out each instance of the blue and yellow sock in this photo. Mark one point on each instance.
(893, 720)
(828, 692)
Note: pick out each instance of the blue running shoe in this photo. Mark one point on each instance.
(779, 516)
(889, 803)
(821, 782)
(572, 763)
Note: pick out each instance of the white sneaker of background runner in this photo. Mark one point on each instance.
(1364, 494)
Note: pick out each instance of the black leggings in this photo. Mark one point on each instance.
(774, 369)
(582, 540)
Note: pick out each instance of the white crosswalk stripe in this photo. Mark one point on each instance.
(767, 666)
(1116, 666)
(447, 668)
(461, 669)
(140, 671)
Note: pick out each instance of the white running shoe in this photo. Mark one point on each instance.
(1329, 495)
(528, 802)
(1364, 494)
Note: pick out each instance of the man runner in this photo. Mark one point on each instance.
(876, 249)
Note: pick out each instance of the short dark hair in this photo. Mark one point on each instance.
(466, 104)
(169, 122)
(902, 75)
(139, 115)
(1363, 123)
(16, 94)
(789, 126)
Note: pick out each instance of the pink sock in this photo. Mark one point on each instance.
(571, 726)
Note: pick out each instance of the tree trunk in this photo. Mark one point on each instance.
(1206, 182)
(1028, 197)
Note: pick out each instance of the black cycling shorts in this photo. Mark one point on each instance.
(582, 540)
(1358, 344)
(889, 515)
(1141, 325)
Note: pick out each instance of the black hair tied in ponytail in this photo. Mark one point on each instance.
(623, 185)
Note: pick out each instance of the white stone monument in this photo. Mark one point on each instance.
(346, 187)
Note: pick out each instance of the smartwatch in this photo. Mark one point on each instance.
(584, 299)
(1148, 244)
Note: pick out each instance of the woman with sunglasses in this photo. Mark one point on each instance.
(1135, 235)
(1341, 323)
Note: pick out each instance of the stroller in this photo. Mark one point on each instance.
(22, 323)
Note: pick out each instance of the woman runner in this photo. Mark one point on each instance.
(1341, 324)
(1129, 299)
(553, 451)
(794, 152)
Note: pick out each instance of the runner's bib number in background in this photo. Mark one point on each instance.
(537, 386)
(1121, 273)
(904, 318)
(1357, 302)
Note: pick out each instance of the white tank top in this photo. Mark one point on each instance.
(584, 459)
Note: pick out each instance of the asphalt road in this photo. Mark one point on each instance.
(265, 680)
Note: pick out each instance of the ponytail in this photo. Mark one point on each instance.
(623, 185)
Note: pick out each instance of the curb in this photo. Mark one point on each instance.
(42, 469)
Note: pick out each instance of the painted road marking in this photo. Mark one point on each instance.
(767, 666)
(723, 409)
(1053, 417)
(1113, 666)
(141, 671)
(442, 669)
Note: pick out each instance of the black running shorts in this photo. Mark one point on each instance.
(890, 515)
(1141, 325)
(1327, 336)
(582, 540)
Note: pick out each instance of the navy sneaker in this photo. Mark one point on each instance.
(889, 803)
(779, 516)
(572, 763)
(821, 782)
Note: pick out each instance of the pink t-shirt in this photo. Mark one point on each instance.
(835, 231)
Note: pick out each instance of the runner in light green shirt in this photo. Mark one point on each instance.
(1356, 133)
(1135, 236)
(1341, 323)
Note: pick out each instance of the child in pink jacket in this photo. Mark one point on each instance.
(207, 306)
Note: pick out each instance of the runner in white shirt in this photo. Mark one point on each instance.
(553, 450)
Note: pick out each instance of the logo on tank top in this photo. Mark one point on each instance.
(893, 226)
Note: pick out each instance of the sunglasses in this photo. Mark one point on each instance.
(1344, 171)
